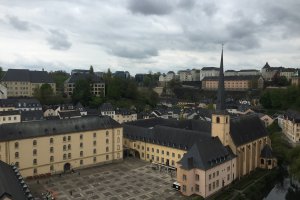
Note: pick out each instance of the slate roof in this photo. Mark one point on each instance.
(9, 112)
(15, 131)
(24, 75)
(247, 128)
(266, 152)
(194, 125)
(266, 65)
(32, 115)
(124, 111)
(80, 76)
(69, 114)
(293, 115)
(106, 107)
(9, 183)
(206, 154)
(165, 136)
(231, 78)
(20, 103)
(210, 68)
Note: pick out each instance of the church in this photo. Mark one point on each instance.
(207, 156)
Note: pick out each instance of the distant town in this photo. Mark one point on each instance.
(205, 132)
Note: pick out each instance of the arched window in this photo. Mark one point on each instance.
(69, 147)
(34, 161)
(64, 147)
(65, 156)
(51, 140)
(51, 149)
(51, 158)
(81, 153)
(107, 141)
(17, 155)
(218, 119)
(118, 139)
(64, 138)
(34, 152)
(34, 142)
(16, 145)
(107, 133)
(107, 149)
(81, 144)
(69, 155)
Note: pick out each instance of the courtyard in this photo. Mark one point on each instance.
(131, 179)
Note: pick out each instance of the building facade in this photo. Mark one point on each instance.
(233, 83)
(3, 92)
(49, 147)
(209, 72)
(96, 83)
(23, 82)
(290, 125)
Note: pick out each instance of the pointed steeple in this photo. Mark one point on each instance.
(221, 89)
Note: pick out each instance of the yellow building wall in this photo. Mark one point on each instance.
(156, 153)
(25, 149)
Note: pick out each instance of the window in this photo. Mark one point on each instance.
(35, 171)
(51, 168)
(69, 147)
(107, 141)
(17, 155)
(217, 173)
(183, 188)
(95, 151)
(94, 159)
(118, 139)
(197, 177)
(69, 138)
(16, 145)
(173, 163)
(184, 177)
(157, 150)
(143, 147)
(94, 135)
(107, 157)
(51, 158)
(118, 147)
(69, 155)
(162, 160)
(81, 162)
(157, 158)
(107, 133)
(179, 156)
(65, 156)
(64, 138)
(94, 143)
(17, 164)
(228, 168)
(217, 183)
(162, 152)
(118, 132)
(269, 162)
(81, 136)
(51, 140)
(218, 119)
(214, 185)
(34, 161)
(138, 146)
(167, 153)
(228, 177)
(81, 144)
(65, 147)
(197, 188)
(209, 176)
(173, 155)
(34, 152)
(152, 149)
(147, 156)
(51, 149)
(34, 142)
(81, 153)
(143, 155)
(214, 175)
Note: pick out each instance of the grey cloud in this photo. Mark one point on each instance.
(186, 4)
(133, 53)
(58, 40)
(209, 8)
(18, 24)
(151, 7)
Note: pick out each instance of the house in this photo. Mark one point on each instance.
(266, 119)
(107, 109)
(164, 78)
(125, 115)
(23, 82)
(290, 126)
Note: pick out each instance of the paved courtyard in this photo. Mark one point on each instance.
(131, 179)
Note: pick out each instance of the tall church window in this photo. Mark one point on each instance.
(218, 119)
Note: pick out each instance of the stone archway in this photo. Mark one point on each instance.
(67, 167)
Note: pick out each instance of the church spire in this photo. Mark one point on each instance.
(221, 89)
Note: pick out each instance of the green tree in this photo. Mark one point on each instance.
(91, 69)
(44, 93)
(82, 92)
(59, 77)
(265, 100)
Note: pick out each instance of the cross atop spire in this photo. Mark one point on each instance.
(221, 89)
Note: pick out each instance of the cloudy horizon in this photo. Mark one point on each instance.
(148, 35)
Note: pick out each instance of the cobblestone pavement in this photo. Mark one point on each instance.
(131, 179)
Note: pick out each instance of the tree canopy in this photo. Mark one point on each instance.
(82, 92)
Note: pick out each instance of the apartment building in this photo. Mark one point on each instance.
(189, 75)
(167, 77)
(107, 109)
(290, 125)
(125, 115)
(23, 82)
(10, 116)
(209, 72)
(234, 83)
(97, 83)
(55, 146)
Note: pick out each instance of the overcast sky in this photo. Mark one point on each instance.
(144, 35)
